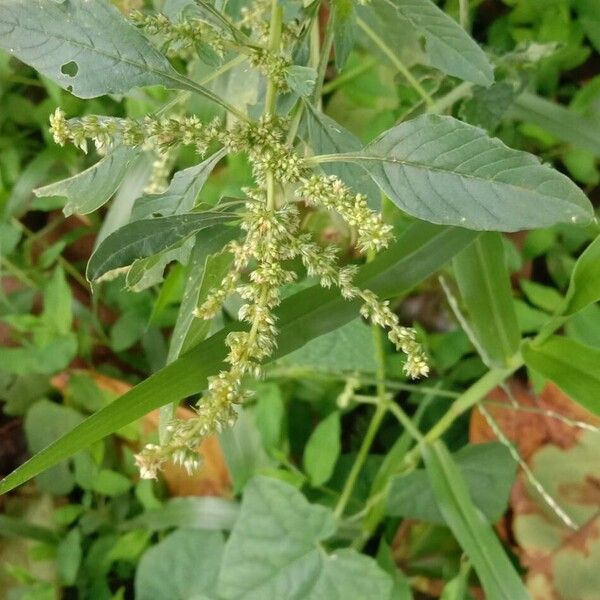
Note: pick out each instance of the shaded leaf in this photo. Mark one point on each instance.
(584, 287)
(323, 449)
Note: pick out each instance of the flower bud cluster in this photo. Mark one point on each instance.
(151, 133)
(273, 66)
(264, 144)
(185, 34)
(331, 193)
(256, 18)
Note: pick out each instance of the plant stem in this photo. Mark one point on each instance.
(445, 102)
(323, 61)
(376, 419)
(463, 8)
(393, 58)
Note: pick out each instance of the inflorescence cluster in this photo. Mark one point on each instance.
(262, 259)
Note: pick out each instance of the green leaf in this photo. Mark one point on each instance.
(485, 289)
(94, 187)
(58, 314)
(584, 287)
(110, 483)
(449, 48)
(301, 79)
(348, 348)
(145, 238)
(323, 449)
(189, 513)
(542, 296)
(68, 557)
(180, 196)
(275, 515)
(495, 571)
(419, 251)
(445, 171)
(46, 422)
(183, 566)
(87, 48)
(488, 470)
(329, 137)
(243, 449)
(48, 358)
(575, 368)
(564, 123)
(204, 272)
(270, 412)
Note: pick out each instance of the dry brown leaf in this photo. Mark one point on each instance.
(530, 430)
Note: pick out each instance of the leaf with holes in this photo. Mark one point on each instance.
(86, 47)
(444, 171)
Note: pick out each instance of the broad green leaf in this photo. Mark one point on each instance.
(589, 17)
(180, 196)
(329, 137)
(449, 48)
(274, 551)
(15, 527)
(575, 368)
(110, 483)
(188, 513)
(348, 348)
(564, 123)
(418, 252)
(45, 422)
(323, 449)
(183, 566)
(485, 289)
(87, 48)
(444, 171)
(477, 538)
(488, 470)
(584, 287)
(94, 187)
(145, 238)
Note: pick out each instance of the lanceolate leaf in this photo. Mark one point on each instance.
(445, 171)
(484, 285)
(86, 47)
(584, 287)
(448, 46)
(182, 192)
(575, 368)
(418, 252)
(496, 573)
(89, 190)
(147, 237)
